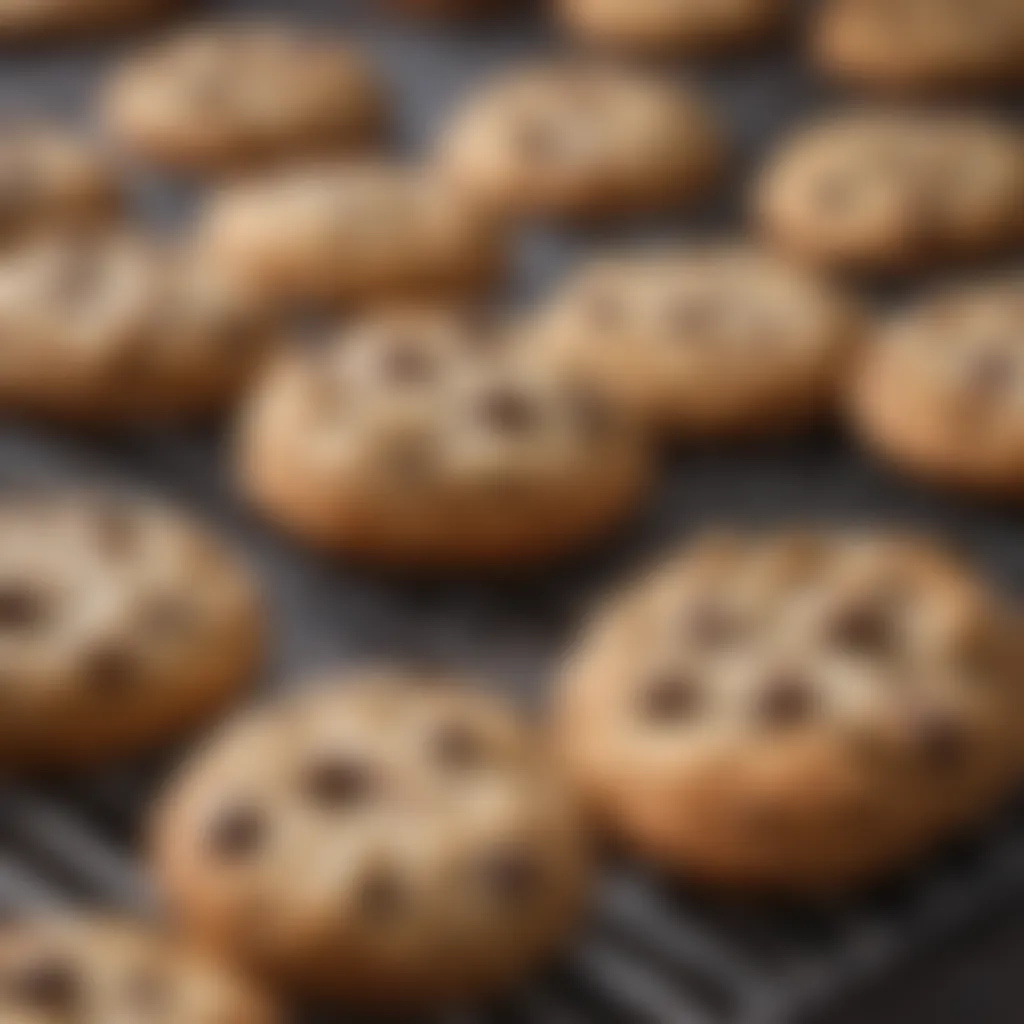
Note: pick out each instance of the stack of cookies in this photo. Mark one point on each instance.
(799, 712)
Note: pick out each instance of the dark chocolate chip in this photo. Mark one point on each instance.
(21, 607)
(458, 747)
(338, 782)
(670, 699)
(508, 411)
(787, 699)
(47, 985)
(864, 629)
(593, 414)
(236, 832)
(110, 667)
(941, 739)
(512, 874)
(382, 894)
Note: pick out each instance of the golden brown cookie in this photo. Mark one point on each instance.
(710, 341)
(582, 141)
(673, 27)
(921, 44)
(239, 95)
(63, 971)
(23, 20)
(395, 841)
(895, 191)
(354, 234)
(940, 392)
(112, 328)
(121, 625)
(418, 439)
(795, 713)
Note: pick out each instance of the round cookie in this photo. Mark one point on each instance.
(795, 713)
(711, 341)
(895, 191)
(111, 328)
(672, 27)
(921, 44)
(578, 141)
(57, 971)
(354, 234)
(52, 178)
(419, 439)
(397, 842)
(121, 625)
(234, 96)
(24, 20)
(941, 391)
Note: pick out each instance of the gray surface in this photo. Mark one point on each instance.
(508, 632)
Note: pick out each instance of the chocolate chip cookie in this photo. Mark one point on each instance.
(796, 713)
(709, 341)
(237, 95)
(397, 842)
(672, 27)
(895, 191)
(420, 439)
(354, 234)
(112, 328)
(582, 141)
(922, 44)
(940, 392)
(51, 178)
(121, 624)
(101, 970)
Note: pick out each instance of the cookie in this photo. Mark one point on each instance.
(673, 27)
(895, 191)
(940, 392)
(113, 329)
(396, 842)
(242, 95)
(921, 44)
(51, 178)
(24, 20)
(121, 624)
(795, 713)
(578, 141)
(62, 971)
(354, 234)
(417, 439)
(710, 341)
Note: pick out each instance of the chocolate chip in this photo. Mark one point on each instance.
(508, 411)
(411, 460)
(786, 699)
(458, 747)
(236, 832)
(940, 738)
(382, 894)
(592, 413)
(47, 985)
(407, 365)
(512, 874)
(110, 667)
(671, 698)
(864, 629)
(21, 607)
(338, 781)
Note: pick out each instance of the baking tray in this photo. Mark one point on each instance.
(654, 952)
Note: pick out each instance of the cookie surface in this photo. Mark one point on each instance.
(52, 178)
(416, 439)
(353, 234)
(795, 713)
(55, 971)
(37, 19)
(393, 842)
(235, 96)
(894, 192)
(673, 26)
(704, 341)
(120, 625)
(940, 391)
(921, 44)
(111, 328)
(582, 141)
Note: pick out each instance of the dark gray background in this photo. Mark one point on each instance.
(509, 632)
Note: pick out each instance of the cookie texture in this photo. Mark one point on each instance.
(586, 141)
(921, 44)
(111, 328)
(25, 20)
(668, 27)
(421, 439)
(121, 624)
(237, 95)
(716, 340)
(354, 234)
(387, 840)
(62, 971)
(895, 191)
(939, 391)
(795, 713)
(51, 178)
